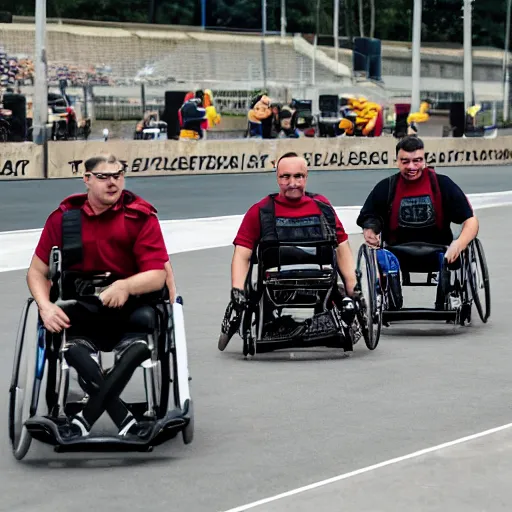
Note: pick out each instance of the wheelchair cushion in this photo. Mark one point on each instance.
(418, 256)
(416, 249)
(274, 256)
(299, 272)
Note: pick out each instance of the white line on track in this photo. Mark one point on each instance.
(368, 469)
(197, 234)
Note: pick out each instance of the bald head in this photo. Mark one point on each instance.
(292, 175)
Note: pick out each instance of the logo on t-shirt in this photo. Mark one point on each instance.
(416, 212)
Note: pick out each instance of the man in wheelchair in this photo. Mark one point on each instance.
(280, 225)
(114, 260)
(409, 215)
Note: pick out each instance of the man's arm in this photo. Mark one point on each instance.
(54, 319)
(468, 233)
(373, 213)
(459, 211)
(240, 265)
(347, 266)
(170, 282)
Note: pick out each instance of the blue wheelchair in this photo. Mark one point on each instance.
(40, 366)
(383, 272)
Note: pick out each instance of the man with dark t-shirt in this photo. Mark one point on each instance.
(417, 205)
(291, 202)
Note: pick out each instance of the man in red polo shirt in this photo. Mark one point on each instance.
(120, 234)
(291, 202)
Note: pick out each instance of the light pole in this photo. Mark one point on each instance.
(416, 56)
(505, 64)
(263, 46)
(40, 100)
(468, 57)
(283, 18)
(336, 30)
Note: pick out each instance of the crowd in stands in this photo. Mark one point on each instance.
(16, 71)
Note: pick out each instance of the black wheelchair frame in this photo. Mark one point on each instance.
(166, 381)
(281, 285)
(470, 278)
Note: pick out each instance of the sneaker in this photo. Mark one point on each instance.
(74, 429)
(133, 428)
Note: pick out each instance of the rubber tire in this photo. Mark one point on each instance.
(482, 264)
(371, 338)
(27, 360)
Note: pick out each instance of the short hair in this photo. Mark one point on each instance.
(410, 144)
(290, 154)
(93, 162)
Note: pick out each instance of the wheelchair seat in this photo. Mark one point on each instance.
(416, 249)
(418, 257)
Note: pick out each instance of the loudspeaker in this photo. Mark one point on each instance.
(457, 118)
(367, 57)
(328, 104)
(402, 111)
(5, 17)
(173, 102)
(375, 59)
(18, 104)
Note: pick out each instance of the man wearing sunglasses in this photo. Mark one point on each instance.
(120, 234)
(292, 202)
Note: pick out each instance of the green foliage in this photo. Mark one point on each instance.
(441, 19)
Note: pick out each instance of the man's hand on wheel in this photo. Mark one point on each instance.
(116, 295)
(371, 238)
(54, 319)
(453, 251)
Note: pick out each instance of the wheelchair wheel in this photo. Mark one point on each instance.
(24, 391)
(478, 277)
(369, 312)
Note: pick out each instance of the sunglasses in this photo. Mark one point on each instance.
(103, 176)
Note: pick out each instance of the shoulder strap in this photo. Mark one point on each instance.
(392, 182)
(72, 249)
(434, 183)
(268, 219)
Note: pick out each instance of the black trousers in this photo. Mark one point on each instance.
(123, 331)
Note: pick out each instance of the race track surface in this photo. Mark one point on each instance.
(277, 423)
(26, 204)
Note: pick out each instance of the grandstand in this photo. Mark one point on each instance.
(123, 56)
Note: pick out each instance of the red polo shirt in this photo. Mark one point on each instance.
(250, 229)
(125, 240)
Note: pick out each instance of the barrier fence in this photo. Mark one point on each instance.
(20, 161)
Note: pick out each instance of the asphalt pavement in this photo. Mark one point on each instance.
(277, 423)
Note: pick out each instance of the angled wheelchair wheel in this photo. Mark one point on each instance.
(26, 378)
(478, 277)
(369, 313)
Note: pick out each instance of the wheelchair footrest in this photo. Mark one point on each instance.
(46, 431)
(406, 314)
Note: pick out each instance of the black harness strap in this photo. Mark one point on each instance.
(393, 181)
(72, 248)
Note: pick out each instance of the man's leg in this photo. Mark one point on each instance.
(106, 392)
(79, 356)
(109, 388)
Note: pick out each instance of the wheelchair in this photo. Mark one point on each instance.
(459, 285)
(294, 277)
(40, 365)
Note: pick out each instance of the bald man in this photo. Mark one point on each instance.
(291, 202)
